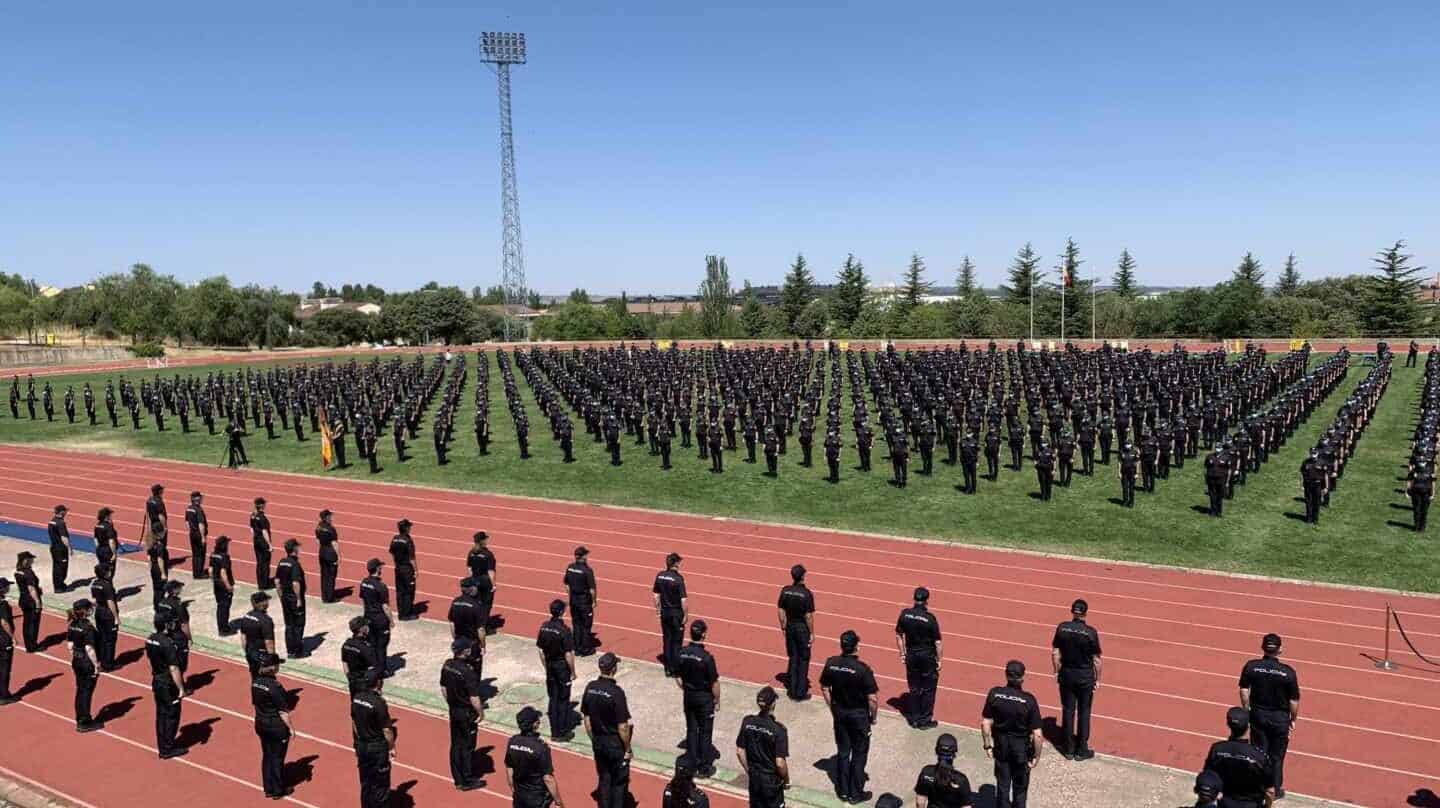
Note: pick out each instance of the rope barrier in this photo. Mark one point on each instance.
(1385, 663)
(1401, 626)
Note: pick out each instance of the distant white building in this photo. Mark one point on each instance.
(311, 306)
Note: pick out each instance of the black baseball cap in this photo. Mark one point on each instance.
(373, 564)
(1208, 783)
(609, 662)
(156, 488)
(83, 603)
(325, 513)
(527, 717)
(468, 582)
(174, 585)
(462, 644)
(672, 559)
(922, 594)
(1079, 606)
(582, 551)
(698, 629)
(557, 607)
(291, 544)
(259, 501)
(259, 597)
(946, 745)
(4, 584)
(1014, 669)
(61, 509)
(1237, 718)
(403, 523)
(767, 696)
(358, 622)
(268, 660)
(849, 641)
(194, 494)
(1271, 642)
(25, 555)
(480, 535)
(797, 572)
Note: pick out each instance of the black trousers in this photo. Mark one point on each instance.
(834, 464)
(1270, 730)
(1216, 490)
(852, 749)
(85, 679)
(1147, 476)
(329, 570)
(1046, 481)
(922, 674)
(700, 729)
(167, 712)
(992, 465)
(1420, 506)
(766, 791)
(274, 741)
(1105, 452)
(373, 761)
(1067, 469)
(463, 734)
(557, 691)
(1312, 504)
(1087, 460)
(59, 567)
(797, 649)
(263, 579)
(968, 467)
(771, 462)
(222, 611)
(380, 641)
(582, 619)
(293, 613)
(1012, 771)
(613, 772)
(404, 591)
(7, 658)
(1127, 491)
(749, 449)
(197, 555)
(1077, 693)
(672, 626)
(106, 634)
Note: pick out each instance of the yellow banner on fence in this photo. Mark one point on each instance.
(1297, 344)
(727, 343)
(663, 344)
(844, 345)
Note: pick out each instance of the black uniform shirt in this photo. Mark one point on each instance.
(1243, 768)
(402, 549)
(195, 517)
(358, 656)
(670, 585)
(529, 758)
(953, 792)
(1014, 712)
(28, 582)
(580, 580)
(695, 799)
(220, 569)
(59, 532)
(797, 600)
(375, 596)
(370, 716)
(851, 682)
(481, 562)
(1079, 644)
(1272, 684)
(155, 509)
(326, 535)
(103, 593)
(259, 523)
(172, 607)
(288, 571)
(920, 628)
(467, 616)
(257, 628)
(163, 655)
(764, 739)
(696, 669)
(460, 683)
(555, 640)
(7, 618)
(82, 635)
(605, 705)
(267, 696)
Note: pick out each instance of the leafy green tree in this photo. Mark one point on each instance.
(850, 290)
(1124, 279)
(619, 306)
(339, 327)
(796, 294)
(925, 321)
(965, 285)
(579, 296)
(915, 289)
(716, 298)
(814, 321)
(1390, 308)
(873, 322)
(1249, 272)
(1289, 282)
(1022, 275)
(752, 314)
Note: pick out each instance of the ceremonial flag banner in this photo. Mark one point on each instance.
(327, 443)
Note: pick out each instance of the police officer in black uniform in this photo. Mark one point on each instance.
(939, 784)
(81, 635)
(1270, 689)
(580, 582)
(222, 584)
(1217, 471)
(607, 720)
(1045, 470)
(291, 578)
(258, 630)
(1125, 470)
(260, 538)
(529, 772)
(357, 655)
(178, 613)
(763, 748)
(467, 617)
(374, 736)
(461, 685)
(796, 611)
(1010, 732)
(166, 683)
(851, 693)
(1313, 478)
(107, 616)
(969, 461)
(272, 725)
(328, 538)
(557, 657)
(482, 568)
(917, 636)
(670, 606)
(1421, 490)
(1075, 655)
(199, 528)
(376, 597)
(59, 549)
(7, 644)
(402, 549)
(1207, 789)
(699, 680)
(1244, 769)
(31, 600)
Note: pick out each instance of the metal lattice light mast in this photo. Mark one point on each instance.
(503, 50)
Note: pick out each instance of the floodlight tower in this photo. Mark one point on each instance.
(503, 50)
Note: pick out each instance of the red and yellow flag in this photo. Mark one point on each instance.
(327, 443)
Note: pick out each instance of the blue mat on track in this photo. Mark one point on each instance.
(79, 542)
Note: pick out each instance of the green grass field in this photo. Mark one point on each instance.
(1364, 536)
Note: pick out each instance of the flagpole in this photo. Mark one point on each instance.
(1094, 285)
(1032, 307)
(1064, 281)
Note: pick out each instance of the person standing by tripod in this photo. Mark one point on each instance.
(235, 456)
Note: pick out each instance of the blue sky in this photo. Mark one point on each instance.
(290, 142)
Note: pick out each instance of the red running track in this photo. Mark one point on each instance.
(223, 766)
(1174, 640)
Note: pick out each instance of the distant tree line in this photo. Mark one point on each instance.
(144, 306)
